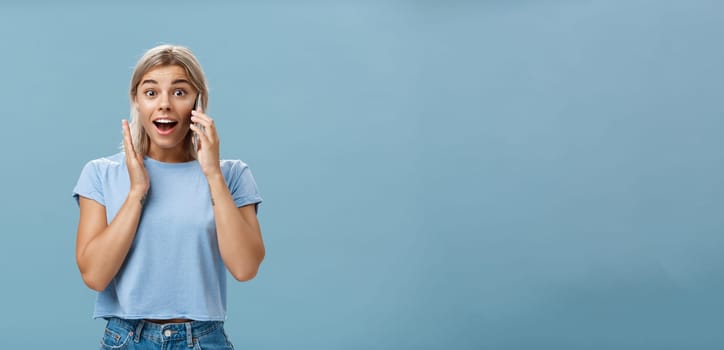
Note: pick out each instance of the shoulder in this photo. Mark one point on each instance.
(236, 172)
(241, 182)
(96, 174)
(230, 166)
(104, 164)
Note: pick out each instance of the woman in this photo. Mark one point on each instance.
(161, 222)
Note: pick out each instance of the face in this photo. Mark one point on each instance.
(164, 100)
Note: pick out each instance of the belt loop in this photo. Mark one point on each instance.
(189, 335)
(139, 329)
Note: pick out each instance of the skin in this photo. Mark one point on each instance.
(101, 248)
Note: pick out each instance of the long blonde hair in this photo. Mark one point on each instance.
(165, 55)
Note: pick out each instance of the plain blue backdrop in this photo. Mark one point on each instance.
(436, 174)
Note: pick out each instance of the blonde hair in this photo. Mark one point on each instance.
(165, 55)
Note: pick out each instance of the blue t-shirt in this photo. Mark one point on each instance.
(174, 268)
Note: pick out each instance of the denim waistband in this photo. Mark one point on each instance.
(167, 331)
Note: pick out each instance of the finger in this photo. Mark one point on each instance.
(127, 141)
(139, 157)
(202, 118)
(203, 138)
(208, 124)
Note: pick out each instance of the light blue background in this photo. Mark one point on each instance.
(436, 174)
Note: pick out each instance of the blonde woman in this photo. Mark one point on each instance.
(161, 222)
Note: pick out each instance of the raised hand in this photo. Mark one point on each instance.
(208, 143)
(140, 182)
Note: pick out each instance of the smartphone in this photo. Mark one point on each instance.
(198, 105)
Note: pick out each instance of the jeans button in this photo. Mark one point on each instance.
(167, 333)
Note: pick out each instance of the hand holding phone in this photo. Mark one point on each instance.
(195, 139)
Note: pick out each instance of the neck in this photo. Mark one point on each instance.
(176, 155)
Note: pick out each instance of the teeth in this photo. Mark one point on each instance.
(165, 121)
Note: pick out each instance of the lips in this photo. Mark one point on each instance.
(165, 126)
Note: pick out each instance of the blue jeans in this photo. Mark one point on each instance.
(121, 334)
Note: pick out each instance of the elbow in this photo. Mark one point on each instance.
(243, 276)
(96, 286)
(94, 283)
(90, 278)
(246, 272)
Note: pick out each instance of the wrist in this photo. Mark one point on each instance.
(214, 175)
(137, 196)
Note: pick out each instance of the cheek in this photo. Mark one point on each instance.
(144, 109)
(185, 114)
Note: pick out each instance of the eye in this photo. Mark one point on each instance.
(149, 93)
(179, 92)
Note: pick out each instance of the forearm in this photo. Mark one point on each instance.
(102, 257)
(240, 242)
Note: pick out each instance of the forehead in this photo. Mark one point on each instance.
(165, 74)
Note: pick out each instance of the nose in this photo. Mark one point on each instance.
(163, 102)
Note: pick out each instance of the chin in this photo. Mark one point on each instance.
(168, 144)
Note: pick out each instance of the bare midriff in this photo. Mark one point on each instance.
(172, 320)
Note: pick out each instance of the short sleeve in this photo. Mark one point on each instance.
(89, 184)
(242, 185)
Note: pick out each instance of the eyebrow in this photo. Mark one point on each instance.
(177, 81)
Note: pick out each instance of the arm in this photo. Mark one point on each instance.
(237, 229)
(101, 248)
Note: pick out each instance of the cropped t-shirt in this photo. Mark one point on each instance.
(173, 268)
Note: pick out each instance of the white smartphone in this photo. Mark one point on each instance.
(198, 105)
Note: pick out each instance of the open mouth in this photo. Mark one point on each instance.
(164, 125)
